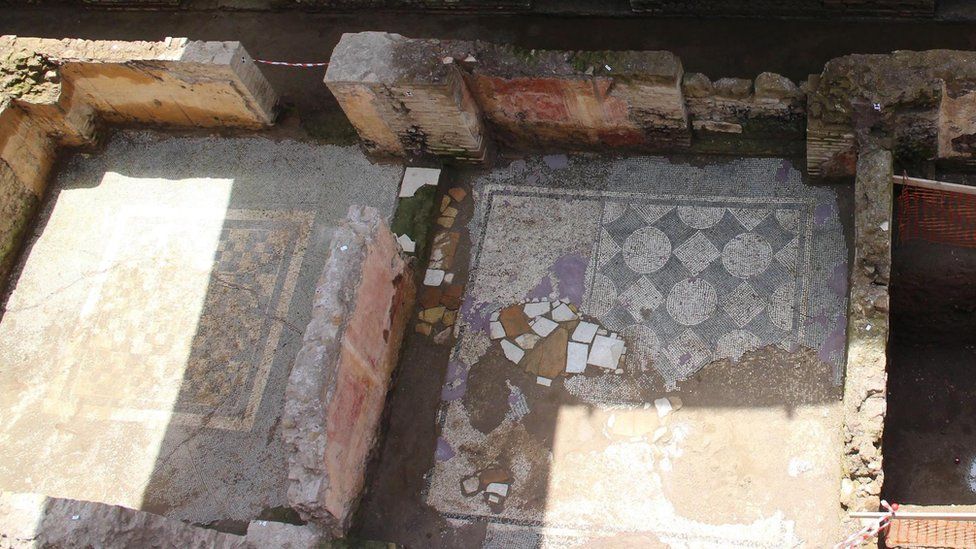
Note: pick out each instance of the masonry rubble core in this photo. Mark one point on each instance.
(619, 323)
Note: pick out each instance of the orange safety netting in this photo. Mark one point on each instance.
(936, 216)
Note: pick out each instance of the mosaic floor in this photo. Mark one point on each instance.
(153, 326)
(712, 305)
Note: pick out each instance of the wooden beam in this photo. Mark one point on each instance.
(932, 184)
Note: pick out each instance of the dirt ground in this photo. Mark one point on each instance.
(930, 430)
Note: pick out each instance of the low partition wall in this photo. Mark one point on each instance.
(452, 98)
(337, 389)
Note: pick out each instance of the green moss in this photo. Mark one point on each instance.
(330, 126)
(414, 216)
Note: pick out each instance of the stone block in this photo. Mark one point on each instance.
(733, 88)
(337, 389)
(772, 86)
(34, 520)
(864, 383)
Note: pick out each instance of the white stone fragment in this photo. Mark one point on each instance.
(543, 326)
(499, 488)
(495, 315)
(449, 278)
(470, 59)
(576, 354)
(562, 313)
(602, 332)
(584, 332)
(884, 226)
(407, 244)
(497, 331)
(663, 406)
(527, 341)
(606, 352)
(533, 310)
(414, 178)
(470, 485)
(494, 499)
(512, 352)
(543, 381)
(433, 277)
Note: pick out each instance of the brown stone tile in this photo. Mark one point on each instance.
(423, 328)
(513, 321)
(445, 202)
(449, 318)
(432, 315)
(446, 222)
(430, 297)
(457, 193)
(548, 357)
(444, 247)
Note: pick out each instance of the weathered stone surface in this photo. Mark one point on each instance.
(34, 520)
(338, 385)
(267, 534)
(864, 389)
(776, 87)
(733, 88)
(402, 98)
(912, 103)
(696, 84)
(53, 92)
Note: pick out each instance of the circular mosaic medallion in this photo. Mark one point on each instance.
(646, 250)
(746, 255)
(780, 308)
(691, 301)
(735, 343)
(700, 217)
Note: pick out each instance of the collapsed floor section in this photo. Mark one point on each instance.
(639, 342)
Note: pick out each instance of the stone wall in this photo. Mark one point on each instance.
(891, 8)
(762, 116)
(338, 385)
(867, 334)
(55, 93)
(916, 104)
(34, 520)
(447, 98)
(403, 99)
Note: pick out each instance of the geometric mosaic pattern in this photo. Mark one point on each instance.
(202, 340)
(700, 279)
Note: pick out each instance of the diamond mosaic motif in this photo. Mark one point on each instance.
(697, 253)
(743, 304)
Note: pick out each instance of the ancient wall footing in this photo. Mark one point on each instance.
(337, 389)
(867, 333)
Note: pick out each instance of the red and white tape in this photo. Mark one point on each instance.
(871, 530)
(286, 64)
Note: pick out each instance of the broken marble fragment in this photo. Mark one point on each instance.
(433, 277)
(470, 485)
(496, 331)
(536, 308)
(514, 321)
(449, 277)
(423, 328)
(414, 178)
(527, 341)
(449, 318)
(584, 332)
(543, 326)
(563, 313)
(444, 247)
(663, 406)
(446, 222)
(450, 212)
(498, 488)
(576, 354)
(512, 352)
(445, 202)
(406, 244)
(606, 352)
(543, 381)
